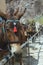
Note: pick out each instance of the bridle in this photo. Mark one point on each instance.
(4, 28)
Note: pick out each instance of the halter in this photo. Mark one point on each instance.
(16, 21)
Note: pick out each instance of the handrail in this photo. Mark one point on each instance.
(27, 42)
(4, 61)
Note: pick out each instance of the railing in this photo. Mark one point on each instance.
(8, 60)
(31, 39)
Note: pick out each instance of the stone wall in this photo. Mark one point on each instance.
(34, 7)
(31, 5)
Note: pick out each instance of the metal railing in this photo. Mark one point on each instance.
(8, 60)
(31, 39)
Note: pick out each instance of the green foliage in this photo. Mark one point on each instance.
(40, 19)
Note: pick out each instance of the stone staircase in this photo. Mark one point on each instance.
(37, 51)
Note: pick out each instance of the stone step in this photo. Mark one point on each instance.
(41, 54)
(40, 62)
(42, 47)
(36, 53)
